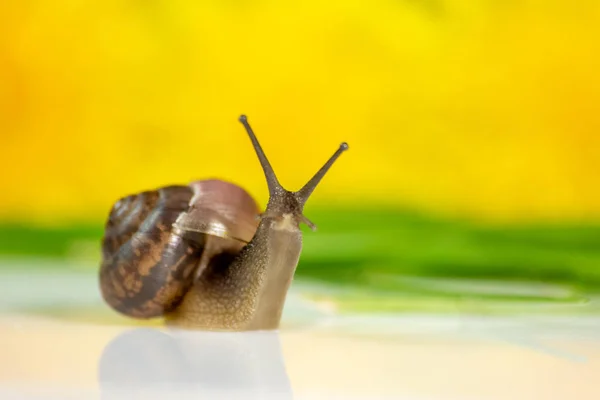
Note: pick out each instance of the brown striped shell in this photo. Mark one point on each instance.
(157, 243)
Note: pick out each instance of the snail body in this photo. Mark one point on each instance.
(203, 256)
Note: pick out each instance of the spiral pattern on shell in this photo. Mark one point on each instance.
(156, 243)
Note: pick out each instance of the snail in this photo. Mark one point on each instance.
(202, 256)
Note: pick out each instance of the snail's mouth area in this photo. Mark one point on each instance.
(286, 222)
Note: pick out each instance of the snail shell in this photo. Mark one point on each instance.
(158, 242)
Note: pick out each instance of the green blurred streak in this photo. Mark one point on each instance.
(30, 241)
(354, 246)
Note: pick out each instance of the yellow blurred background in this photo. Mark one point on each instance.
(481, 108)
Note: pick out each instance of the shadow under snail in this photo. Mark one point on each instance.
(202, 255)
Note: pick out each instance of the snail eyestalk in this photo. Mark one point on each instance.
(281, 201)
(272, 181)
(303, 194)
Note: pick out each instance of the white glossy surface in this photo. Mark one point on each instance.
(317, 355)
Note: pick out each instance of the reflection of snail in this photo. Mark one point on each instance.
(198, 256)
(152, 364)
